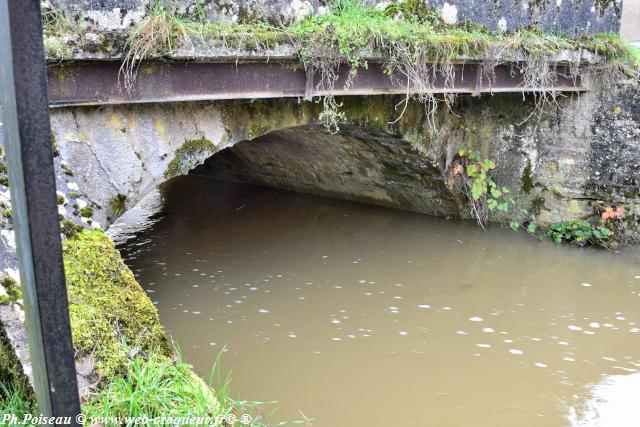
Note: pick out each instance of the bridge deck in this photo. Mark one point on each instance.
(98, 83)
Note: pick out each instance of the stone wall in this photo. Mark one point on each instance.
(629, 27)
(565, 16)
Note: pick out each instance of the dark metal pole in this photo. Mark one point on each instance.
(23, 91)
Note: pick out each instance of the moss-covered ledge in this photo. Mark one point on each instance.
(349, 30)
(109, 310)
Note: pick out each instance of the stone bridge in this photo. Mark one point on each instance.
(261, 122)
(556, 165)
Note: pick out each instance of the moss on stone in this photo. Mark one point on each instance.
(11, 369)
(527, 179)
(257, 129)
(70, 228)
(188, 156)
(14, 293)
(54, 146)
(252, 120)
(86, 212)
(66, 170)
(537, 204)
(108, 308)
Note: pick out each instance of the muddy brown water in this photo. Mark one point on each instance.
(355, 315)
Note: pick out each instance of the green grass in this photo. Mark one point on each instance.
(349, 26)
(155, 386)
(152, 385)
(118, 204)
(14, 400)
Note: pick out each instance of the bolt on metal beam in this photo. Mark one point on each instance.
(23, 96)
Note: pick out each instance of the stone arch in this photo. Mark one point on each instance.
(131, 149)
(548, 163)
(358, 164)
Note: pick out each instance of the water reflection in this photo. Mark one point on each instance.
(357, 315)
(611, 403)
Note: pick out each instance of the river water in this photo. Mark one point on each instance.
(354, 315)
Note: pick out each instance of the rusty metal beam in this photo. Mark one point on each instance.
(98, 83)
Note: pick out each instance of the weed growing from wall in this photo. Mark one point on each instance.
(473, 173)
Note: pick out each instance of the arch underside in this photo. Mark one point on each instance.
(356, 164)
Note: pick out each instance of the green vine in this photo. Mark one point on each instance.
(484, 195)
(473, 173)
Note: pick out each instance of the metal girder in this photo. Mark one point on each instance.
(97, 83)
(23, 92)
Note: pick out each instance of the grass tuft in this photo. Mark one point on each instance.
(155, 386)
(15, 400)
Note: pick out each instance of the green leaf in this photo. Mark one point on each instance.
(477, 189)
(515, 225)
(495, 193)
(532, 227)
(505, 190)
(488, 164)
(504, 207)
(492, 204)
